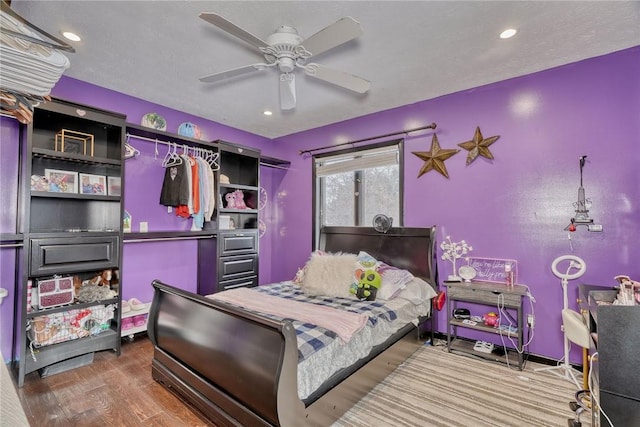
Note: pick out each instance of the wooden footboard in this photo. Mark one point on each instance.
(236, 367)
(240, 369)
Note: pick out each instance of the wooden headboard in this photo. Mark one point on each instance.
(407, 248)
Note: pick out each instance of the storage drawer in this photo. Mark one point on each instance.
(245, 282)
(236, 266)
(482, 296)
(73, 254)
(238, 242)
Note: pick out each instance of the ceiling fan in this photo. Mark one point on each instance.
(287, 50)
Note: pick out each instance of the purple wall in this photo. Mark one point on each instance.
(517, 205)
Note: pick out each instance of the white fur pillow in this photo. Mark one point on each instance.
(329, 274)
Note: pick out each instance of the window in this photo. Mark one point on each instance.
(352, 186)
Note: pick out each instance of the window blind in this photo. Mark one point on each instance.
(359, 160)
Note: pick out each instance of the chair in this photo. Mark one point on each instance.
(577, 332)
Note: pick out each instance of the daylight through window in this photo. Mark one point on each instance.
(353, 186)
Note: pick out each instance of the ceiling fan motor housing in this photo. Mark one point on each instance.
(283, 48)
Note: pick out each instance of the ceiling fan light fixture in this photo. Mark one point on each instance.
(287, 91)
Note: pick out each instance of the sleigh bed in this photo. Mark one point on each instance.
(240, 367)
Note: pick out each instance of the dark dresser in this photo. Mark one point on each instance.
(615, 378)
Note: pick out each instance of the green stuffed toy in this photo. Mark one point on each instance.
(369, 282)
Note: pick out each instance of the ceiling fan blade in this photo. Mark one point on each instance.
(223, 75)
(233, 29)
(287, 91)
(339, 32)
(338, 78)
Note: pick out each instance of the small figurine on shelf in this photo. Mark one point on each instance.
(452, 252)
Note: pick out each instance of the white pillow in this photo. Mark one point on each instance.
(417, 291)
(329, 274)
(393, 281)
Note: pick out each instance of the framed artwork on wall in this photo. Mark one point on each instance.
(93, 184)
(113, 186)
(62, 181)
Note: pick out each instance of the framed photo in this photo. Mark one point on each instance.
(93, 184)
(62, 181)
(113, 185)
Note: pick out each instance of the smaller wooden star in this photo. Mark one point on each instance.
(478, 146)
(434, 158)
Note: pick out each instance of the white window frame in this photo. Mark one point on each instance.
(356, 160)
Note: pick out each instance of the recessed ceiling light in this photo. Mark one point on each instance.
(506, 34)
(267, 113)
(71, 36)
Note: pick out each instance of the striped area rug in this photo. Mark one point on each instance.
(436, 388)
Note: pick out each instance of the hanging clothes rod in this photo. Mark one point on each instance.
(59, 44)
(11, 245)
(270, 165)
(168, 143)
(159, 141)
(404, 132)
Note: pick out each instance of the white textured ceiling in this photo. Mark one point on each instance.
(410, 51)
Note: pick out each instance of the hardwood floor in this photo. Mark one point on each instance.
(112, 391)
(428, 390)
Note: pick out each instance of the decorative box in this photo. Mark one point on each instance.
(71, 141)
(52, 292)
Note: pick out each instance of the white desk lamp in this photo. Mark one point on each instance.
(574, 263)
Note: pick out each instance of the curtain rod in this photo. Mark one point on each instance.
(431, 126)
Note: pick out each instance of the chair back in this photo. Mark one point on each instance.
(574, 327)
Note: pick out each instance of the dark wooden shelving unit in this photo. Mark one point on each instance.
(68, 233)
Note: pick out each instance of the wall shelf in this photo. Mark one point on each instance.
(168, 236)
(75, 158)
(56, 195)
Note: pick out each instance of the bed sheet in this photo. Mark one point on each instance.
(321, 353)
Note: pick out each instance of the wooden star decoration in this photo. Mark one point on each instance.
(434, 158)
(478, 146)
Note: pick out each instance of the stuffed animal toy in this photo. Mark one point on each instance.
(94, 293)
(235, 200)
(97, 288)
(102, 279)
(368, 284)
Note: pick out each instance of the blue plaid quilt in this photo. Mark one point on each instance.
(312, 338)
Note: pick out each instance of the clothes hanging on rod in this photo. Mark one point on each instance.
(189, 186)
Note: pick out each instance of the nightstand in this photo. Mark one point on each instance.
(489, 294)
